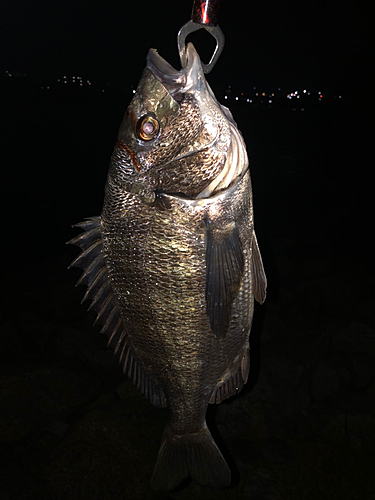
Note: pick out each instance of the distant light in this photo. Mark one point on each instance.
(247, 100)
(279, 89)
(298, 96)
(257, 93)
(254, 88)
(263, 94)
(236, 98)
(270, 101)
(305, 91)
(251, 100)
(48, 88)
(103, 90)
(273, 94)
(340, 96)
(302, 109)
(308, 93)
(225, 97)
(133, 91)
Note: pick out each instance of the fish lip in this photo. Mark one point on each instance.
(173, 80)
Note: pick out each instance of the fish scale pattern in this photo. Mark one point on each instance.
(157, 270)
(182, 129)
(103, 302)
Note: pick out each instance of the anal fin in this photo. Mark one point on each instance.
(234, 383)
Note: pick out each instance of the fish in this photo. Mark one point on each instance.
(172, 265)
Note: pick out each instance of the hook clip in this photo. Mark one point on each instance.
(190, 27)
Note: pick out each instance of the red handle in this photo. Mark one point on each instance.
(205, 12)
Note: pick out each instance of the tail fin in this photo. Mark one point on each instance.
(194, 455)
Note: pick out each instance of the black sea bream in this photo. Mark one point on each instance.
(172, 264)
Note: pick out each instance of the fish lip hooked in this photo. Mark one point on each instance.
(173, 80)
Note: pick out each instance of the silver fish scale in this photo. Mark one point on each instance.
(157, 269)
(187, 122)
(192, 177)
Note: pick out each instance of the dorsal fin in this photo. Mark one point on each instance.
(103, 302)
(257, 271)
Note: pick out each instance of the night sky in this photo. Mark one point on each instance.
(273, 43)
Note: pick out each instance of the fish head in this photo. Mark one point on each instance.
(175, 136)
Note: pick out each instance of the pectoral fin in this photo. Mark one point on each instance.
(224, 270)
(257, 271)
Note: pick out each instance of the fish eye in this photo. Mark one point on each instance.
(147, 127)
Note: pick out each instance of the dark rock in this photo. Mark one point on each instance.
(358, 337)
(11, 345)
(31, 401)
(273, 326)
(310, 300)
(101, 359)
(278, 451)
(102, 456)
(363, 371)
(324, 382)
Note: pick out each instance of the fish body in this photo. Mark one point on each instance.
(172, 264)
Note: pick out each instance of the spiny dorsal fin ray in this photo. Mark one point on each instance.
(103, 302)
(224, 270)
(257, 271)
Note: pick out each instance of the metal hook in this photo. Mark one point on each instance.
(190, 27)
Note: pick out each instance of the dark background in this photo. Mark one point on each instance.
(71, 426)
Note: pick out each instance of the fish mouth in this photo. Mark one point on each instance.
(173, 80)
